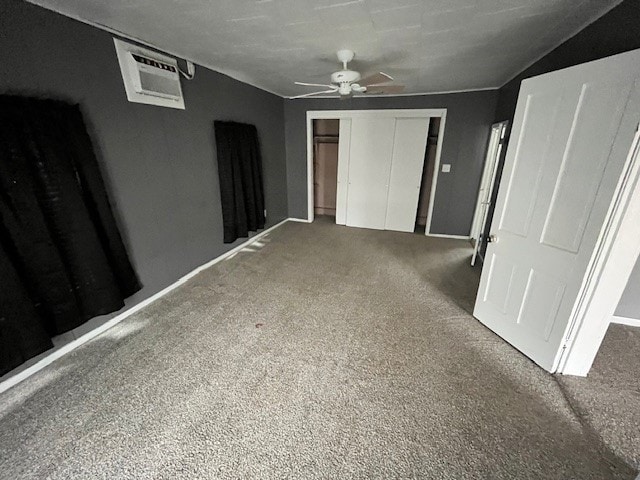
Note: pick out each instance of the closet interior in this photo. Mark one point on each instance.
(326, 134)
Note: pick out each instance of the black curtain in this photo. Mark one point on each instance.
(62, 260)
(240, 172)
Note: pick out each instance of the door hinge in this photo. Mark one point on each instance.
(560, 358)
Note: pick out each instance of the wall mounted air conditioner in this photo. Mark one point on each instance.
(149, 77)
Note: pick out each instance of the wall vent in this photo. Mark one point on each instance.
(149, 77)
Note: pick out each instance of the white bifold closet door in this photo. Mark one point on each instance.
(386, 157)
(344, 147)
(409, 147)
(369, 169)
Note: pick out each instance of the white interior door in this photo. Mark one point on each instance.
(486, 185)
(344, 147)
(369, 169)
(559, 178)
(409, 148)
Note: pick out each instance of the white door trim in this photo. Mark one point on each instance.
(609, 270)
(398, 113)
(632, 322)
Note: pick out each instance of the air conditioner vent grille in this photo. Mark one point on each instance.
(155, 84)
(153, 63)
(149, 77)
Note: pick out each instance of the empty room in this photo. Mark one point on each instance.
(307, 239)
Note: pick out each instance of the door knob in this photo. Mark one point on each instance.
(493, 239)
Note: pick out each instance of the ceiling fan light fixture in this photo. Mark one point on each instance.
(345, 89)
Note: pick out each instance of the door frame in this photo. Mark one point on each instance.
(495, 147)
(398, 113)
(608, 272)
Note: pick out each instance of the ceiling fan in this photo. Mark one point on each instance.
(347, 82)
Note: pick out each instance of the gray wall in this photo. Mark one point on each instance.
(629, 305)
(615, 32)
(469, 116)
(159, 163)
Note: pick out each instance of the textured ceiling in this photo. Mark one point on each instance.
(429, 45)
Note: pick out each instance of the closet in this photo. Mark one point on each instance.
(380, 171)
(325, 165)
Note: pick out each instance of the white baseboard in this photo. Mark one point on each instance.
(301, 220)
(632, 322)
(443, 235)
(53, 356)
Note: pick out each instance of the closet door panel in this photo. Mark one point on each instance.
(409, 147)
(344, 149)
(369, 169)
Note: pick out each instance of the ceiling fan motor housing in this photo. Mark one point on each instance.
(345, 76)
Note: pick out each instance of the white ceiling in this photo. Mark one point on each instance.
(428, 45)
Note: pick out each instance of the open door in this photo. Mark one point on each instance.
(496, 142)
(572, 131)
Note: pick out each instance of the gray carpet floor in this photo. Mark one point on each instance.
(608, 400)
(322, 352)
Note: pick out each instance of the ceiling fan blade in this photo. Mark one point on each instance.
(313, 84)
(334, 90)
(375, 79)
(385, 89)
